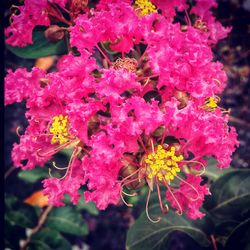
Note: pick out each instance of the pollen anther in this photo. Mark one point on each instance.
(60, 129)
(163, 164)
(145, 7)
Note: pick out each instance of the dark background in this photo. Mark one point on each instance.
(108, 230)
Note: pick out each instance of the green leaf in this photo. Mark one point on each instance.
(48, 239)
(90, 207)
(41, 47)
(230, 199)
(19, 214)
(213, 172)
(145, 235)
(224, 228)
(239, 238)
(34, 175)
(67, 220)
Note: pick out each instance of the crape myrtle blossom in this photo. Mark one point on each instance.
(33, 13)
(135, 100)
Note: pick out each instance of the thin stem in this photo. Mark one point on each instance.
(213, 242)
(164, 135)
(146, 77)
(9, 172)
(57, 13)
(41, 221)
(152, 146)
(143, 146)
(141, 58)
(188, 19)
(104, 55)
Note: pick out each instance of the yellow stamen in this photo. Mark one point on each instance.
(163, 164)
(211, 104)
(146, 7)
(60, 129)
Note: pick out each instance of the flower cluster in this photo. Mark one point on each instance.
(135, 99)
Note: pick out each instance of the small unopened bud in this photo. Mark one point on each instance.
(43, 82)
(131, 172)
(182, 97)
(54, 33)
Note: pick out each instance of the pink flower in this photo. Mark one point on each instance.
(118, 25)
(22, 84)
(33, 13)
(168, 7)
(188, 197)
(137, 105)
(114, 83)
(56, 188)
(132, 114)
(101, 171)
(215, 30)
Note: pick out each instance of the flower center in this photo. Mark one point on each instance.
(60, 129)
(211, 103)
(146, 7)
(127, 63)
(163, 164)
(201, 25)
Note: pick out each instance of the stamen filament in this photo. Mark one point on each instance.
(130, 195)
(17, 131)
(198, 195)
(179, 212)
(153, 221)
(165, 211)
(203, 166)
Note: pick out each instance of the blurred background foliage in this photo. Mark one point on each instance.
(30, 223)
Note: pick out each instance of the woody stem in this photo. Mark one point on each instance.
(41, 221)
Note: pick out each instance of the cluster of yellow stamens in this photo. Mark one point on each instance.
(163, 164)
(60, 129)
(211, 103)
(146, 7)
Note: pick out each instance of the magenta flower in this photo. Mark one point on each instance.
(135, 100)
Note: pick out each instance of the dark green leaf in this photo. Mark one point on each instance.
(67, 220)
(41, 47)
(87, 206)
(226, 227)
(239, 238)
(19, 214)
(32, 176)
(230, 197)
(48, 239)
(213, 172)
(146, 235)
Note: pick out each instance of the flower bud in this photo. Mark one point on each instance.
(54, 33)
(182, 97)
